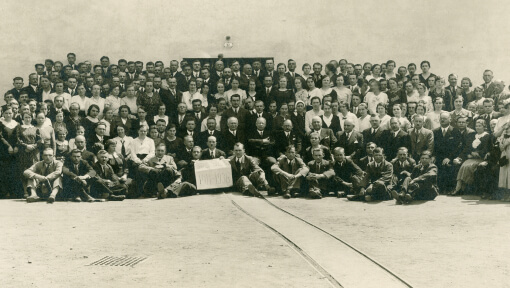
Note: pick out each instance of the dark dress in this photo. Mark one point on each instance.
(90, 127)
(26, 136)
(481, 145)
(283, 97)
(10, 185)
(172, 147)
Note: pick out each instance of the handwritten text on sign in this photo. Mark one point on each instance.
(213, 174)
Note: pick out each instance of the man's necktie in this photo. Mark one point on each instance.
(123, 149)
(238, 164)
(197, 115)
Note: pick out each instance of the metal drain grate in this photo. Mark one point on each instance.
(118, 261)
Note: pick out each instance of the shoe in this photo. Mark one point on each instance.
(314, 194)
(50, 200)
(407, 198)
(286, 195)
(32, 199)
(294, 193)
(270, 190)
(254, 192)
(77, 200)
(354, 198)
(341, 194)
(161, 191)
(368, 198)
(116, 198)
(396, 196)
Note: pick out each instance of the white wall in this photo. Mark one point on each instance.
(464, 37)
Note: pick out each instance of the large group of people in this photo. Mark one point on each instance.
(83, 132)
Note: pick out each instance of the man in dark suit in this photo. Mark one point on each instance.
(191, 129)
(183, 82)
(403, 165)
(58, 103)
(260, 143)
(259, 112)
(421, 138)
(32, 88)
(106, 184)
(326, 136)
(317, 76)
(235, 111)
(286, 137)
(291, 74)
(488, 85)
(197, 113)
(451, 92)
(319, 176)
(351, 141)
(232, 135)
(171, 96)
(18, 86)
(179, 118)
(184, 154)
(268, 92)
(77, 176)
(348, 175)
(375, 133)
(246, 77)
(395, 138)
(369, 156)
(489, 114)
(227, 78)
(421, 184)
(464, 132)
(211, 152)
(379, 178)
(207, 80)
(203, 136)
(246, 174)
(288, 173)
(86, 155)
(98, 138)
(44, 178)
(269, 71)
(447, 147)
(217, 74)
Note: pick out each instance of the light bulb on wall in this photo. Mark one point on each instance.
(228, 43)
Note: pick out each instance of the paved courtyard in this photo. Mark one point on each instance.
(228, 240)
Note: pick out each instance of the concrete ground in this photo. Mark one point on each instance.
(228, 240)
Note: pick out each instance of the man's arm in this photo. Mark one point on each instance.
(58, 171)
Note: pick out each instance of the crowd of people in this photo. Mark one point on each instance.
(83, 132)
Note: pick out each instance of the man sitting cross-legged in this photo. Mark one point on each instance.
(288, 173)
(106, 184)
(162, 173)
(44, 178)
(77, 176)
(379, 176)
(421, 184)
(320, 173)
(246, 174)
(348, 175)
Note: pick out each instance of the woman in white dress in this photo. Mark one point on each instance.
(341, 92)
(405, 125)
(235, 90)
(81, 99)
(191, 94)
(96, 99)
(375, 96)
(424, 98)
(130, 99)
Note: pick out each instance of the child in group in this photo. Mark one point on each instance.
(61, 142)
(80, 131)
(59, 122)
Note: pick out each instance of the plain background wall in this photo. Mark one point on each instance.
(464, 37)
